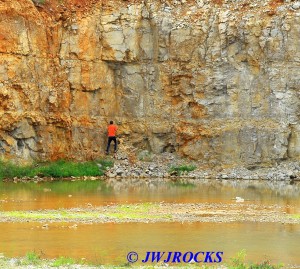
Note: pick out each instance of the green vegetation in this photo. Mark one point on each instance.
(31, 258)
(134, 216)
(57, 169)
(39, 2)
(137, 211)
(178, 170)
(238, 262)
(49, 215)
(61, 261)
(10, 170)
(134, 211)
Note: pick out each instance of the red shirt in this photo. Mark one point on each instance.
(112, 129)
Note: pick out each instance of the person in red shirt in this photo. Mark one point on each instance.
(112, 131)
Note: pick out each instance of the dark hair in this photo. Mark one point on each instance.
(111, 122)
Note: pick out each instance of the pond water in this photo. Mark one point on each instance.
(110, 243)
(64, 194)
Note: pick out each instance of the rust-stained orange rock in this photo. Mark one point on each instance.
(215, 81)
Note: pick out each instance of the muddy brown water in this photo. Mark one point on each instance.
(54, 195)
(110, 243)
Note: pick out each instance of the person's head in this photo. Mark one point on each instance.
(111, 122)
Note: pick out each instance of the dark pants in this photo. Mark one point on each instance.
(111, 138)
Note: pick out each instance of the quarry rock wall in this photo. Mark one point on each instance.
(214, 81)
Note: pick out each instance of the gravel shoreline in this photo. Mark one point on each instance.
(159, 166)
(156, 212)
(148, 166)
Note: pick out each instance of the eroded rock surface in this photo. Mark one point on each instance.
(216, 81)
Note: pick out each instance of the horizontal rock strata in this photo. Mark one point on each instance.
(216, 81)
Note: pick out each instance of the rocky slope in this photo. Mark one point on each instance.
(216, 81)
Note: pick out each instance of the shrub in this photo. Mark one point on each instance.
(238, 262)
(178, 170)
(32, 258)
(61, 261)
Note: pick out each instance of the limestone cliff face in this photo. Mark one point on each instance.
(216, 81)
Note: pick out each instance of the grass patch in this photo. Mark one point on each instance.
(31, 258)
(295, 216)
(61, 261)
(137, 211)
(49, 215)
(68, 215)
(136, 216)
(179, 170)
(10, 170)
(57, 169)
(140, 211)
(238, 262)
